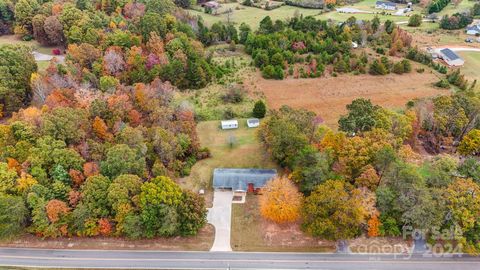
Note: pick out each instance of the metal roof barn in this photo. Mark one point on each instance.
(239, 179)
(451, 58)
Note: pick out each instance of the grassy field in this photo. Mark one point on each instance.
(252, 16)
(246, 152)
(208, 102)
(450, 9)
(250, 232)
(12, 39)
(472, 65)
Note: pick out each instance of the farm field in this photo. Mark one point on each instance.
(472, 65)
(328, 96)
(250, 232)
(252, 16)
(247, 152)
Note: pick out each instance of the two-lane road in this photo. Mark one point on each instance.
(224, 260)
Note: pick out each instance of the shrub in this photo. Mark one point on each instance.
(443, 84)
(415, 20)
(259, 109)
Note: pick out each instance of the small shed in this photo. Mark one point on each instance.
(229, 124)
(241, 180)
(253, 122)
(385, 5)
(451, 58)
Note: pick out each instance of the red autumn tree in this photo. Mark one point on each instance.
(90, 169)
(104, 226)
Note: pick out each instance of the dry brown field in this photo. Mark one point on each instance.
(328, 96)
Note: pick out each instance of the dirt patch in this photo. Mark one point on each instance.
(202, 242)
(251, 232)
(328, 96)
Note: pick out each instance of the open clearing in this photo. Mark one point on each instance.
(251, 232)
(472, 65)
(328, 96)
(247, 152)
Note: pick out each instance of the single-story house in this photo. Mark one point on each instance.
(473, 29)
(253, 122)
(229, 124)
(450, 57)
(385, 5)
(211, 5)
(241, 180)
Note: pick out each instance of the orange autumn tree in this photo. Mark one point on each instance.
(281, 201)
(101, 129)
(373, 226)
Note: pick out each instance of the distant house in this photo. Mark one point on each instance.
(229, 124)
(253, 122)
(385, 5)
(210, 6)
(241, 180)
(450, 57)
(473, 29)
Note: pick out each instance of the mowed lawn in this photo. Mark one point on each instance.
(12, 39)
(472, 65)
(251, 232)
(252, 16)
(246, 152)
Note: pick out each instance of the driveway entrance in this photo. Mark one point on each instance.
(220, 216)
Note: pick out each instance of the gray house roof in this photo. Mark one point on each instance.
(474, 28)
(449, 54)
(238, 179)
(380, 3)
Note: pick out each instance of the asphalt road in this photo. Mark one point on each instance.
(223, 260)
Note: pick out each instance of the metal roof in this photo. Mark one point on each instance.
(451, 55)
(253, 121)
(238, 179)
(229, 122)
(385, 3)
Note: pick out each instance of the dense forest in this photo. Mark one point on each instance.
(92, 144)
(366, 178)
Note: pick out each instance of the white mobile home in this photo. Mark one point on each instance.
(229, 124)
(253, 122)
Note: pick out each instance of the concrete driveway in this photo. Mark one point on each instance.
(220, 216)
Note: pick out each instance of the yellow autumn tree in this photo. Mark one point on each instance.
(281, 201)
(25, 182)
